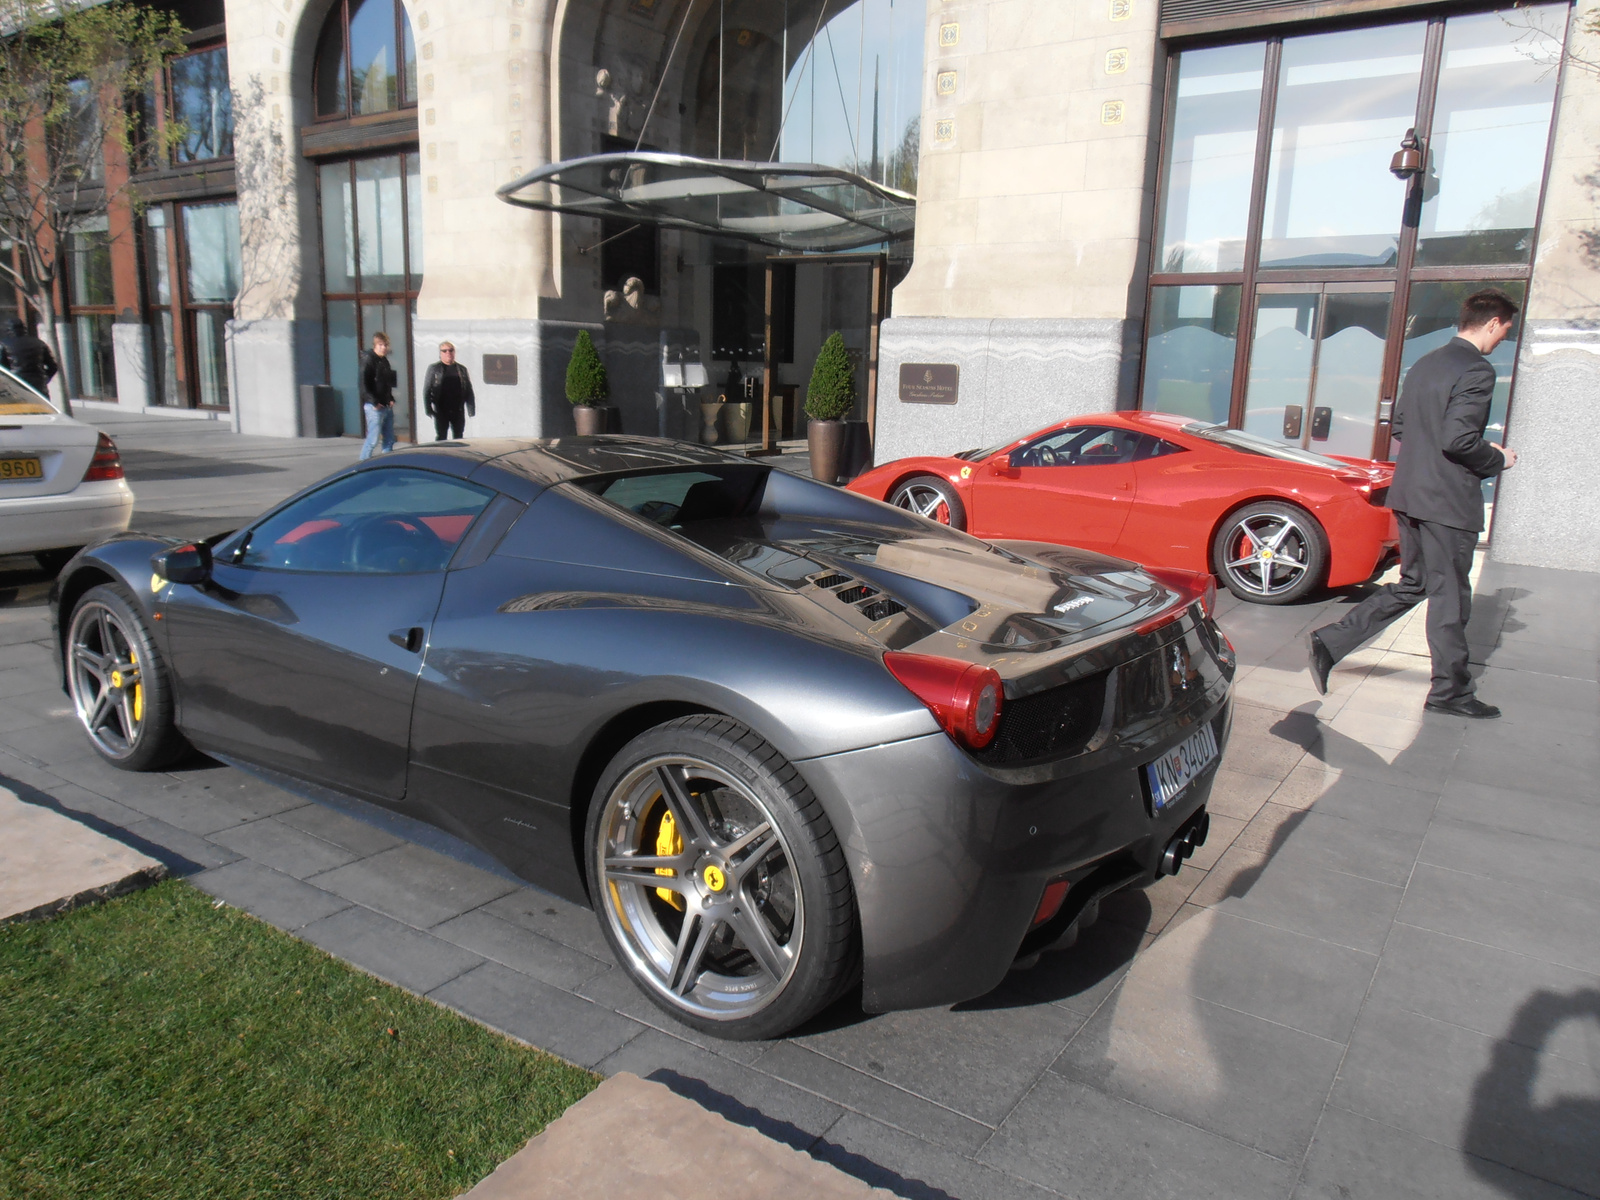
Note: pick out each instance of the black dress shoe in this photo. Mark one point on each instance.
(1470, 707)
(1320, 662)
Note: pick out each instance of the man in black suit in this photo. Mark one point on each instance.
(28, 358)
(1437, 497)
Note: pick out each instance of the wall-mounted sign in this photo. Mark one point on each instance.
(929, 383)
(500, 368)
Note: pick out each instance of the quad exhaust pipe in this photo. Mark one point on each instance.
(1184, 843)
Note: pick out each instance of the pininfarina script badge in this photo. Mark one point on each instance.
(1067, 606)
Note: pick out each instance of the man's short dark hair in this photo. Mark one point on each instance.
(1483, 306)
(15, 327)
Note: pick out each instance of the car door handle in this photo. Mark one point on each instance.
(408, 639)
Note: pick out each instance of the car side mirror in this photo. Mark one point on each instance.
(183, 564)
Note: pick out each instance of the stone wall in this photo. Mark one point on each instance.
(1547, 510)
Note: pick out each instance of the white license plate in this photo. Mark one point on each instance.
(1175, 769)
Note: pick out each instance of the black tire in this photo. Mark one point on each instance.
(119, 683)
(784, 869)
(931, 497)
(51, 561)
(1270, 552)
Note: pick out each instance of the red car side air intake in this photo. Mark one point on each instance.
(964, 697)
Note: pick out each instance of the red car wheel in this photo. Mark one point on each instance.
(931, 497)
(1271, 552)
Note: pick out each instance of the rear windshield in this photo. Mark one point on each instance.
(19, 400)
(1250, 443)
(682, 496)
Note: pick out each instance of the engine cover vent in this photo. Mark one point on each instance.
(877, 610)
(852, 594)
(830, 580)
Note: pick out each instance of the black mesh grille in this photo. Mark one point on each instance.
(879, 609)
(860, 592)
(1050, 724)
(830, 581)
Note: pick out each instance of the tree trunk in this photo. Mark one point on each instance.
(44, 306)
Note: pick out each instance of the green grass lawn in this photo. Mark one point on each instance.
(156, 1046)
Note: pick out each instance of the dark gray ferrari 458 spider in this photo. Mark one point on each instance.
(783, 739)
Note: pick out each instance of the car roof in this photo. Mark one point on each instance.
(545, 461)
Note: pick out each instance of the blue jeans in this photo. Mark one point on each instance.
(379, 421)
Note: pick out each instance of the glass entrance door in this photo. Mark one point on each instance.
(1298, 279)
(1317, 365)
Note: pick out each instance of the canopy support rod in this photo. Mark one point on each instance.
(665, 67)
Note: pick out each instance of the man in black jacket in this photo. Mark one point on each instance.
(377, 396)
(1437, 497)
(447, 394)
(26, 357)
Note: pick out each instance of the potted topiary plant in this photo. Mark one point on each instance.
(830, 396)
(587, 387)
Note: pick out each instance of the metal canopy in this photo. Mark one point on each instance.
(790, 206)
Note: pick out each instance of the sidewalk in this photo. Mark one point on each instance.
(1380, 978)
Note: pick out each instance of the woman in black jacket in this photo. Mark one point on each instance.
(447, 394)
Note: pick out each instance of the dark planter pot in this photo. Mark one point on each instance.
(591, 419)
(825, 441)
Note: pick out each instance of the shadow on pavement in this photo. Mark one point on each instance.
(1509, 1124)
(175, 863)
(738, 1113)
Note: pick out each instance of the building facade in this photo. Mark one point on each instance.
(1184, 205)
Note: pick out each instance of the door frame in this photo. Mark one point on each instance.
(878, 303)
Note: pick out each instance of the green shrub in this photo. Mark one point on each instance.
(586, 374)
(832, 393)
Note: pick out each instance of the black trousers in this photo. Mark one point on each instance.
(1434, 564)
(449, 422)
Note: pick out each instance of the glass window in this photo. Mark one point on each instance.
(1080, 446)
(76, 140)
(1211, 153)
(331, 82)
(380, 223)
(374, 85)
(1344, 102)
(211, 238)
(391, 319)
(414, 219)
(203, 101)
(344, 361)
(89, 264)
(338, 228)
(1491, 123)
(94, 371)
(158, 291)
(1189, 351)
(388, 521)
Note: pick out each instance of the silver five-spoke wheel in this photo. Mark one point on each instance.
(1271, 553)
(700, 889)
(106, 680)
(931, 497)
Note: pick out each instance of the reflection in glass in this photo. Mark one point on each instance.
(344, 362)
(158, 288)
(374, 86)
(1491, 123)
(1344, 409)
(203, 100)
(1431, 322)
(1211, 158)
(391, 319)
(93, 371)
(89, 261)
(852, 94)
(211, 238)
(380, 225)
(1344, 102)
(333, 96)
(414, 219)
(1189, 352)
(209, 328)
(338, 229)
(1281, 359)
(408, 57)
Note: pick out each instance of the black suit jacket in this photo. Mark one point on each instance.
(1440, 419)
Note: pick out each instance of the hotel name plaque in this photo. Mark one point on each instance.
(929, 383)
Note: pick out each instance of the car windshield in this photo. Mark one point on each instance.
(980, 455)
(1249, 443)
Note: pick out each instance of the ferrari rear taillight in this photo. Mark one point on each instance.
(965, 698)
(106, 463)
(1050, 902)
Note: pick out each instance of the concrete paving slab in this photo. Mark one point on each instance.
(632, 1137)
(50, 863)
(279, 899)
(407, 957)
(1540, 922)
(414, 885)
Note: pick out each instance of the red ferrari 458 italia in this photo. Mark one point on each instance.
(1274, 522)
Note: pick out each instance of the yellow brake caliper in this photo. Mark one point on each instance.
(668, 842)
(138, 691)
